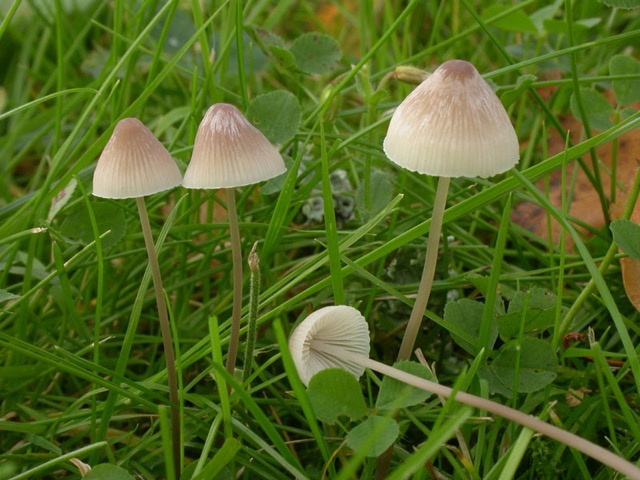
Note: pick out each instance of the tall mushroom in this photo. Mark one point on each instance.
(451, 125)
(134, 164)
(338, 337)
(230, 152)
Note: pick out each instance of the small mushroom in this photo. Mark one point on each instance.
(230, 152)
(134, 164)
(337, 328)
(338, 337)
(451, 125)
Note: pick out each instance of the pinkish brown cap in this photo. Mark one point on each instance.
(230, 152)
(452, 125)
(134, 164)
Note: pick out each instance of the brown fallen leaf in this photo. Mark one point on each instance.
(334, 18)
(631, 279)
(575, 397)
(584, 204)
(630, 267)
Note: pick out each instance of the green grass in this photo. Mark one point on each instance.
(82, 371)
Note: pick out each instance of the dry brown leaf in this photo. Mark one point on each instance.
(575, 397)
(631, 279)
(336, 23)
(584, 202)
(630, 267)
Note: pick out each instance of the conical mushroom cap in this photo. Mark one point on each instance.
(341, 328)
(134, 164)
(230, 152)
(452, 125)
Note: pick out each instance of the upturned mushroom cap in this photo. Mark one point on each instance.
(230, 152)
(452, 125)
(337, 327)
(134, 164)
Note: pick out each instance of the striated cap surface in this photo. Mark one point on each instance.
(338, 327)
(134, 164)
(230, 152)
(452, 125)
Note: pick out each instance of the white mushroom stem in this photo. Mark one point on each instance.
(428, 272)
(236, 254)
(165, 328)
(574, 441)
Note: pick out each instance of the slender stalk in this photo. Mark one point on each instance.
(236, 253)
(254, 293)
(428, 272)
(165, 328)
(574, 441)
(419, 306)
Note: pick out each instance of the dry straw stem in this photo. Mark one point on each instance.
(254, 293)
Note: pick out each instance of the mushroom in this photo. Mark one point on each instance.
(134, 164)
(451, 125)
(230, 152)
(321, 339)
(334, 337)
